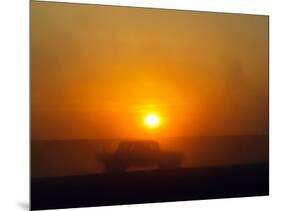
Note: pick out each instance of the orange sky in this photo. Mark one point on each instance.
(97, 71)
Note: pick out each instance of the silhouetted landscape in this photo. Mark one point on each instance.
(150, 186)
(78, 157)
(67, 173)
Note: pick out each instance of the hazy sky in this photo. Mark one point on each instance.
(97, 71)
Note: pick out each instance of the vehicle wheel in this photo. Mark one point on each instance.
(116, 167)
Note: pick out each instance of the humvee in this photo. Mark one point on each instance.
(140, 153)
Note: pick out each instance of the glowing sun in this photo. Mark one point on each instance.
(152, 121)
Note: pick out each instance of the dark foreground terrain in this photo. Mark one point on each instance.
(149, 186)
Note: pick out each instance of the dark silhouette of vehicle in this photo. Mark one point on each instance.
(140, 153)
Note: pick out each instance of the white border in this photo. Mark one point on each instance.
(14, 103)
(233, 6)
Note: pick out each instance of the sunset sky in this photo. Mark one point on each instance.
(98, 71)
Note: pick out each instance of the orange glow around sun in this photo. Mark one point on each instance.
(85, 87)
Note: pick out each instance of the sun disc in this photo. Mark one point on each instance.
(152, 121)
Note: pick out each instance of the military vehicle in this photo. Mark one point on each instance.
(140, 153)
